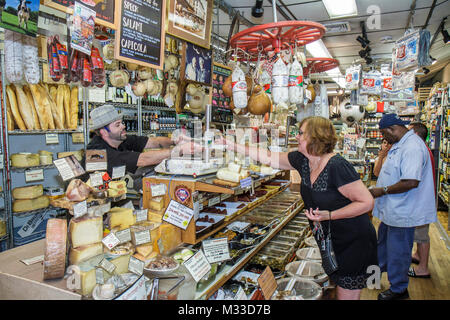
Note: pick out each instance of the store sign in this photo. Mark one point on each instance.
(105, 10)
(140, 33)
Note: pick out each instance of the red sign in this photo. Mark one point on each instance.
(369, 82)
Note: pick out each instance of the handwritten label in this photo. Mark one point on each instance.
(96, 179)
(178, 215)
(158, 189)
(136, 266)
(118, 172)
(198, 266)
(123, 235)
(80, 209)
(34, 175)
(213, 201)
(216, 250)
(110, 241)
(141, 215)
(51, 138)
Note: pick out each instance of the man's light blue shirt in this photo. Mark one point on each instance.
(407, 159)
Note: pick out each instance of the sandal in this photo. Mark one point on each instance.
(412, 274)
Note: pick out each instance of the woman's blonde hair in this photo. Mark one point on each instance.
(320, 134)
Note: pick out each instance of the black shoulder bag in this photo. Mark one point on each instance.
(329, 262)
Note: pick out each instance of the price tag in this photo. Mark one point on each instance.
(216, 250)
(239, 191)
(80, 209)
(51, 138)
(267, 283)
(178, 215)
(158, 189)
(124, 235)
(213, 201)
(34, 260)
(34, 175)
(96, 179)
(257, 184)
(141, 215)
(225, 196)
(198, 266)
(108, 266)
(142, 237)
(118, 172)
(246, 183)
(169, 101)
(99, 276)
(136, 266)
(110, 241)
(77, 137)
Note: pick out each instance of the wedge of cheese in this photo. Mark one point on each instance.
(170, 237)
(31, 204)
(83, 253)
(121, 218)
(85, 231)
(156, 203)
(26, 193)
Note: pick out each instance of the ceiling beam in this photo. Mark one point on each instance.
(412, 10)
(430, 13)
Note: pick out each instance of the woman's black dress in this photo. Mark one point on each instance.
(354, 239)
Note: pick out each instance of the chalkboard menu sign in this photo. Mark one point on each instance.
(140, 32)
(105, 9)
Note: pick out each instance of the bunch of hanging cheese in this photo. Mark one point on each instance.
(41, 107)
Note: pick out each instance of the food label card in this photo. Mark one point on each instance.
(198, 266)
(178, 215)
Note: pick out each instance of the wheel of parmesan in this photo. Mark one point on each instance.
(55, 249)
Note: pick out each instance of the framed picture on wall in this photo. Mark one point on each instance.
(197, 64)
(190, 20)
(220, 74)
(20, 16)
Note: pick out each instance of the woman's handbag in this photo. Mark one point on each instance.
(329, 262)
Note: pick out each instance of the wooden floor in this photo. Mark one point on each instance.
(435, 288)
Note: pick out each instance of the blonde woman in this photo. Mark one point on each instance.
(330, 187)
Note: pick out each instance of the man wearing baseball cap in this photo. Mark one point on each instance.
(122, 149)
(404, 199)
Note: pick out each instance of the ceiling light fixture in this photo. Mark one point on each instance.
(369, 60)
(340, 9)
(258, 10)
(365, 52)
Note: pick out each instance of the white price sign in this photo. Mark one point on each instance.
(158, 189)
(96, 179)
(216, 250)
(124, 235)
(110, 241)
(141, 215)
(213, 201)
(198, 266)
(51, 138)
(118, 172)
(80, 209)
(34, 175)
(108, 266)
(142, 237)
(136, 266)
(178, 215)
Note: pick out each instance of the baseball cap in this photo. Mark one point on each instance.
(103, 115)
(391, 119)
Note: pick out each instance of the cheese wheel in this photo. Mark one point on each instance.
(55, 249)
(29, 192)
(24, 160)
(45, 157)
(15, 108)
(31, 204)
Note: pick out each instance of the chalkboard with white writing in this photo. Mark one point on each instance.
(140, 32)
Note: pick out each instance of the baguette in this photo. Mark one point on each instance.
(27, 91)
(74, 108)
(39, 103)
(24, 107)
(225, 183)
(54, 109)
(67, 106)
(60, 103)
(9, 116)
(53, 91)
(14, 108)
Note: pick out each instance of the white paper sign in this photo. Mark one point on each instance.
(213, 201)
(216, 250)
(34, 175)
(142, 237)
(31, 225)
(34, 260)
(124, 235)
(108, 266)
(158, 189)
(118, 172)
(198, 266)
(136, 266)
(96, 179)
(51, 138)
(246, 183)
(178, 215)
(99, 276)
(80, 209)
(137, 291)
(141, 215)
(110, 241)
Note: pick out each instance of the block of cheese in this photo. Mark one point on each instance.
(170, 237)
(85, 230)
(31, 204)
(265, 170)
(117, 188)
(83, 253)
(55, 249)
(25, 160)
(45, 157)
(87, 276)
(78, 154)
(153, 217)
(156, 203)
(30, 192)
(145, 259)
(145, 249)
(121, 218)
(233, 167)
(141, 233)
(121, 264)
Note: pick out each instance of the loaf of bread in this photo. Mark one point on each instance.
(60, 104)
(54, 109)
(27, 91)
(43, 110)
(66, 92)
(15, 108)
(24, 107)
(74, 108)
(9, 115)
(53, 92)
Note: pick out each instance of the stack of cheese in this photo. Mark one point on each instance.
(26, 159)
(233, 173)
(29, 198)
(40, 107)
